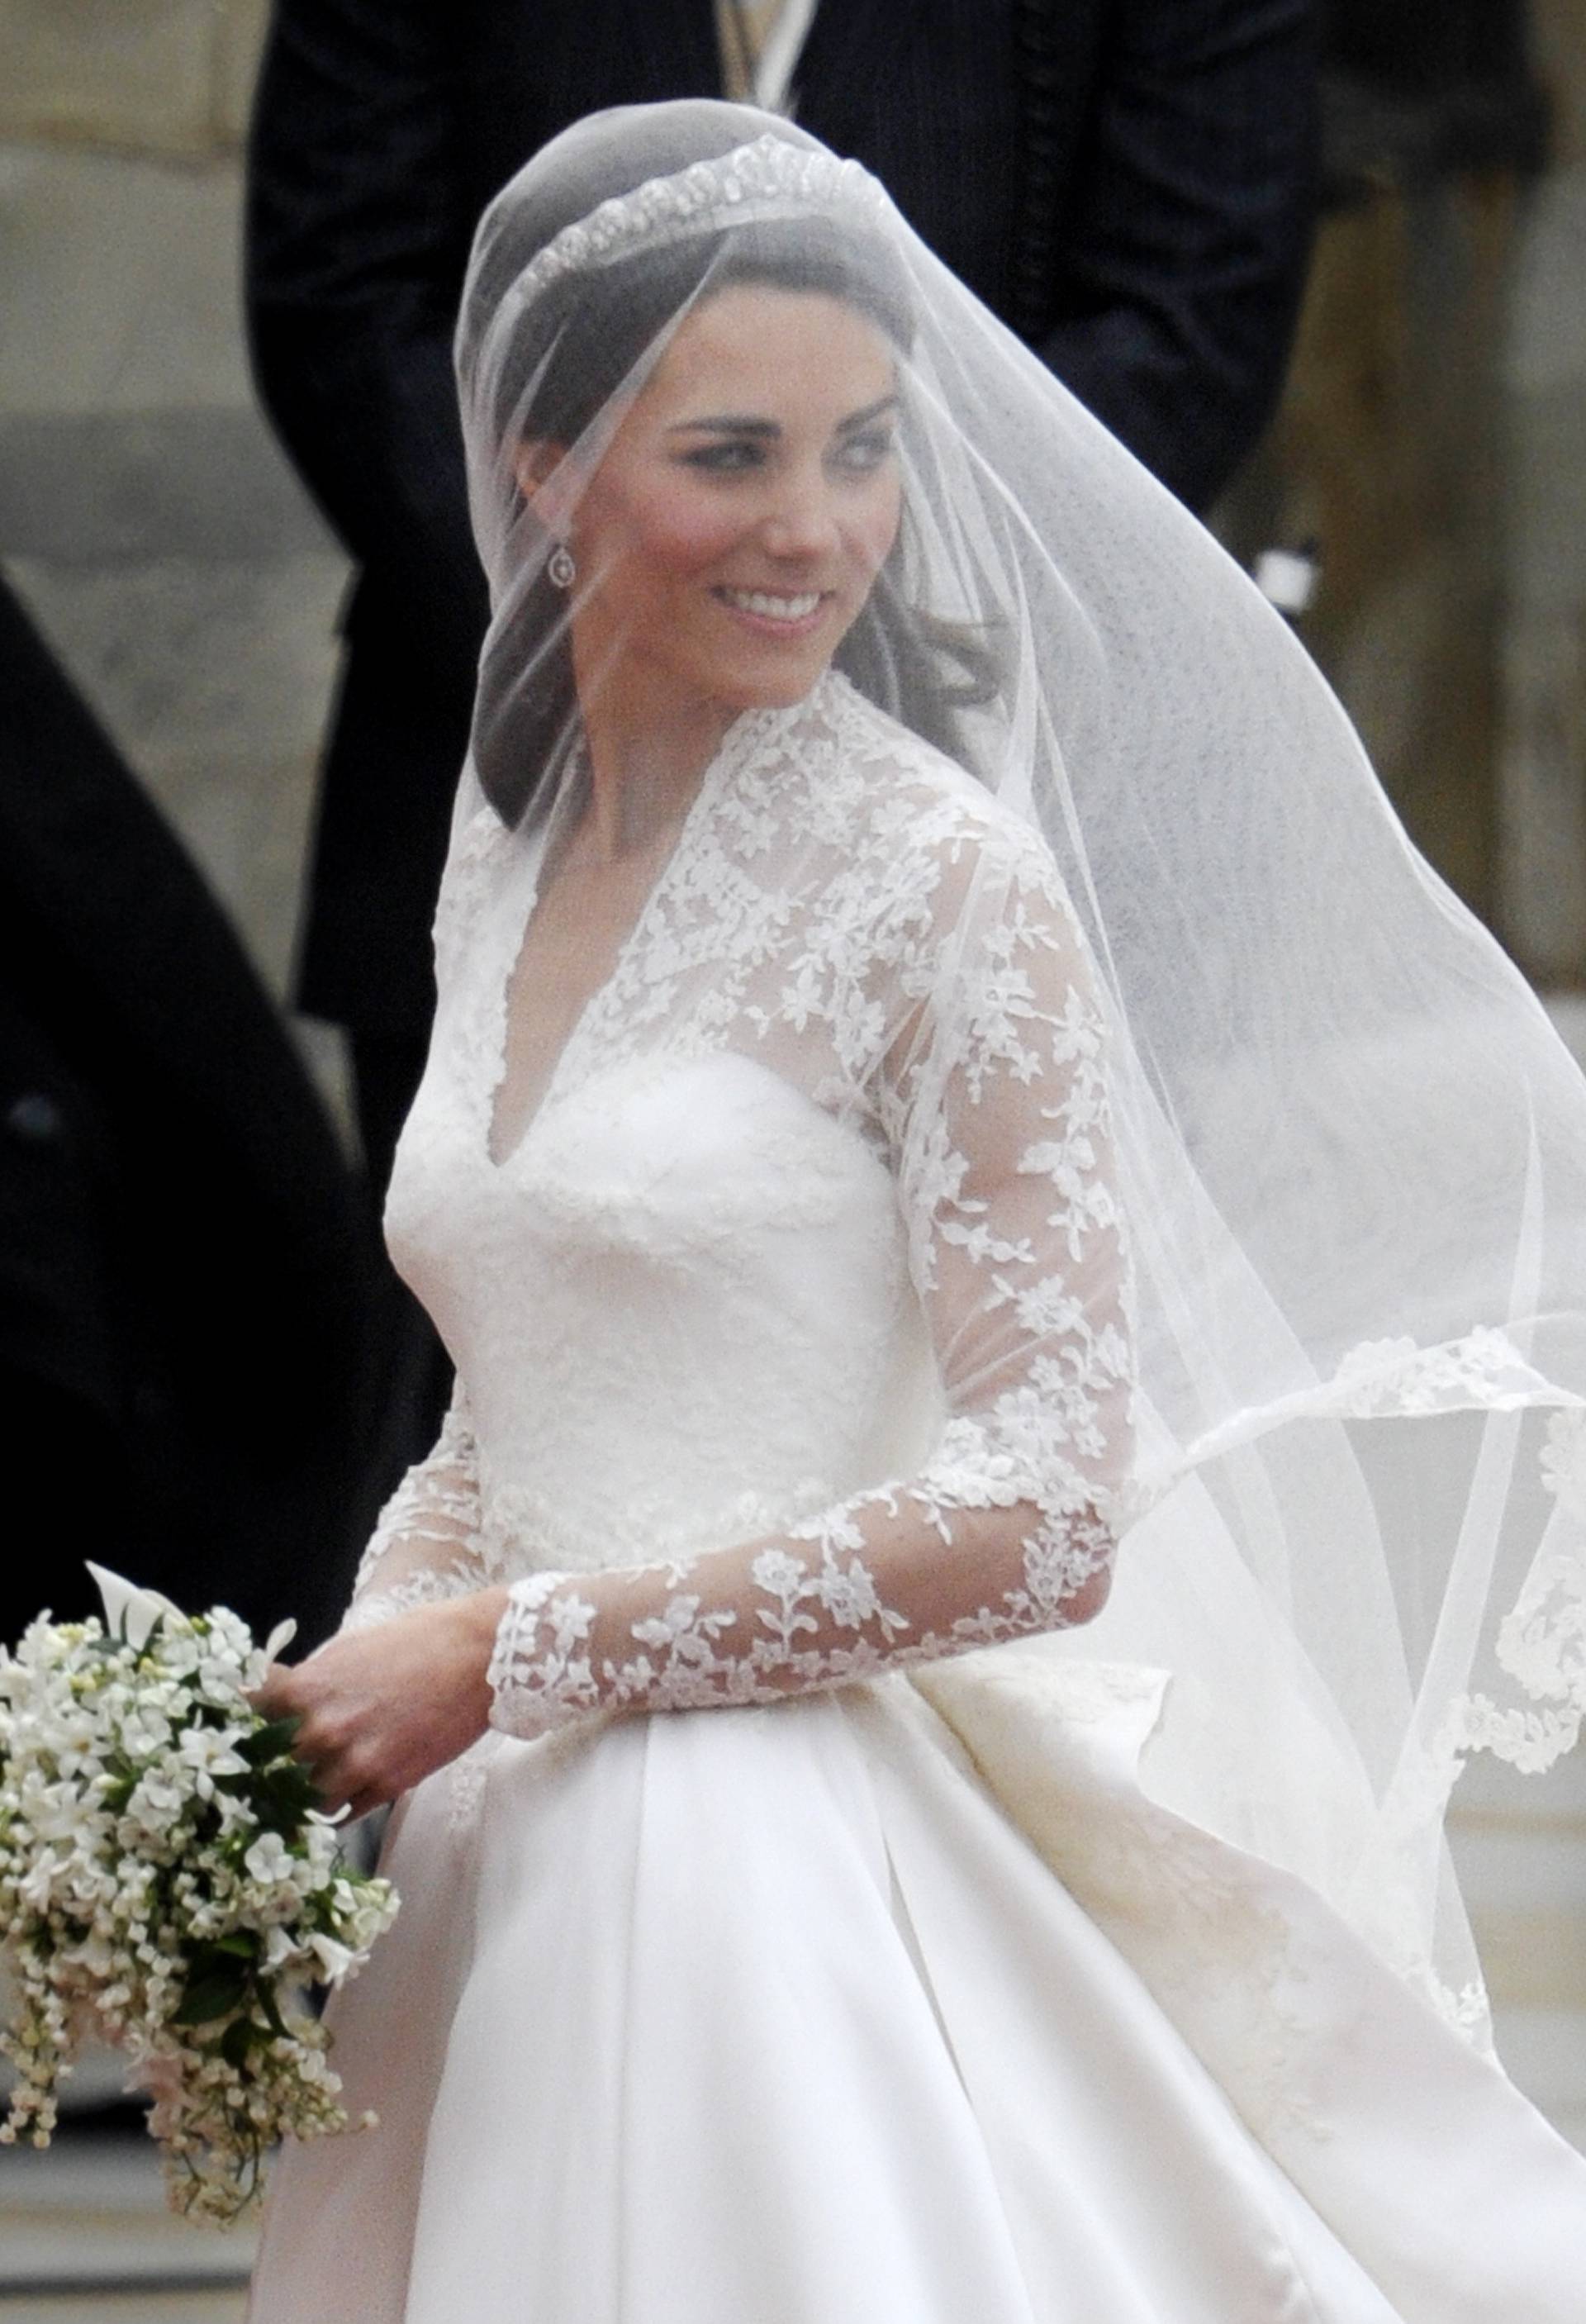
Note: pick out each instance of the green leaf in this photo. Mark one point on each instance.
(237, 2040)
(283, 1799)
(218, 1957)
(211, 1998)
(273, 1740)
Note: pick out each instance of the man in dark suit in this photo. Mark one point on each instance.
(1130, 183)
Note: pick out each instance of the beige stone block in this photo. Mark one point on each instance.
(1543, 795)
(118, 284)
(240, 26)
(213, 678)
(135, 74)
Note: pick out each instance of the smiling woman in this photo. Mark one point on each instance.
(734, 525)
(725, 545)
(905, 1122)
(610, 353)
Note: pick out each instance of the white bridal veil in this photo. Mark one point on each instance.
(1352, 1151)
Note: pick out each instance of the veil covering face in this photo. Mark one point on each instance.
(1351, 1150)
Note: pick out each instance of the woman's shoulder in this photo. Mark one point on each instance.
(939, 872)
(925, 804)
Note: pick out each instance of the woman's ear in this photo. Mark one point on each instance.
(534, 463)
(546, 480)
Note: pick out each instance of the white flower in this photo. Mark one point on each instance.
(145, 1730)
(156, 1804)
(208, 1751)
(270, 1859)
(335, 1959)
(103, 1908)
(279, 1947)
(130, 1613)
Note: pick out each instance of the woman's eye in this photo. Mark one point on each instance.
(866, 450)
(724, 459)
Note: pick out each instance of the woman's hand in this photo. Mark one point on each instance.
(380, 1710)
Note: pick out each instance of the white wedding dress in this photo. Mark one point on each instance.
(850, 1981)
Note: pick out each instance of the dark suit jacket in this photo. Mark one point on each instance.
(184, 1257)
(1129, 182)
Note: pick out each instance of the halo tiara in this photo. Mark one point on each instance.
(753, 181)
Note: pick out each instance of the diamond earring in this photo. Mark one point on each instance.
(560, 569)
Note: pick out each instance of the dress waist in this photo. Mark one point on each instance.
(528, 1529)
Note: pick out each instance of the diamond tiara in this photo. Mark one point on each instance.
(753, 182)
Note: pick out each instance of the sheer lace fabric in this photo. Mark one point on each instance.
(848, 917)
(1349, 1146)
(798, 1345)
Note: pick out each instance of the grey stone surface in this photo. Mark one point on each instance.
(1543, 831)
(151, 76)
(1543, 796)
(212, 676)
(1548, 347)
(100, 489)
(239, 36)
(121, 283)
(148, 517)
(130, 2308)
(89, 2213)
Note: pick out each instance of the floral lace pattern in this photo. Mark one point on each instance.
(875, 966)
(425, 1547)
(1542, 1641)
(1387, 1380)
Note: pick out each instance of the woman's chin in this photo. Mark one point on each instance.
(776, 687)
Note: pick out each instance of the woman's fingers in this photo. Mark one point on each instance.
(378, 1712)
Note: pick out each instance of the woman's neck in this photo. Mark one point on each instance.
(647, 759)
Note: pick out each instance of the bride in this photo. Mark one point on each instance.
(949, 1089)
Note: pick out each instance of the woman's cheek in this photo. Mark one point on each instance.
(684, 531)
(881, 529)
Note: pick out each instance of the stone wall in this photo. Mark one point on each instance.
(167, 77)
(147, 516)
(1541, 861)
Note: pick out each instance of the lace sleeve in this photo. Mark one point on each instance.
(994, 1102)
(425, 1546)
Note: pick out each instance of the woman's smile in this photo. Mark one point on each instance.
(773, 613)
(736, 522)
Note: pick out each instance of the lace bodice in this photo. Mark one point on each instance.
(792, 1336)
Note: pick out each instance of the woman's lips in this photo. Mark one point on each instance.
(775, 612)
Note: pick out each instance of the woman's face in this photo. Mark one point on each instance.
(732, 530)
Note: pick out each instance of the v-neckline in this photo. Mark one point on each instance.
(744, 731)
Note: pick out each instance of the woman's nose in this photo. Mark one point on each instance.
(802, 520)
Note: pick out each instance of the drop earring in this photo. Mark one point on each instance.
(560, 569)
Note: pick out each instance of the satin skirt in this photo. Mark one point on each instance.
(777, 2016)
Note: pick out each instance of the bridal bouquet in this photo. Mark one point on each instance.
(167, 1883)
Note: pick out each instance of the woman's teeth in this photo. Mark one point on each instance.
(774, 609)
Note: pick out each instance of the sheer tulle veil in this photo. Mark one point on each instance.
(1353, 1151)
